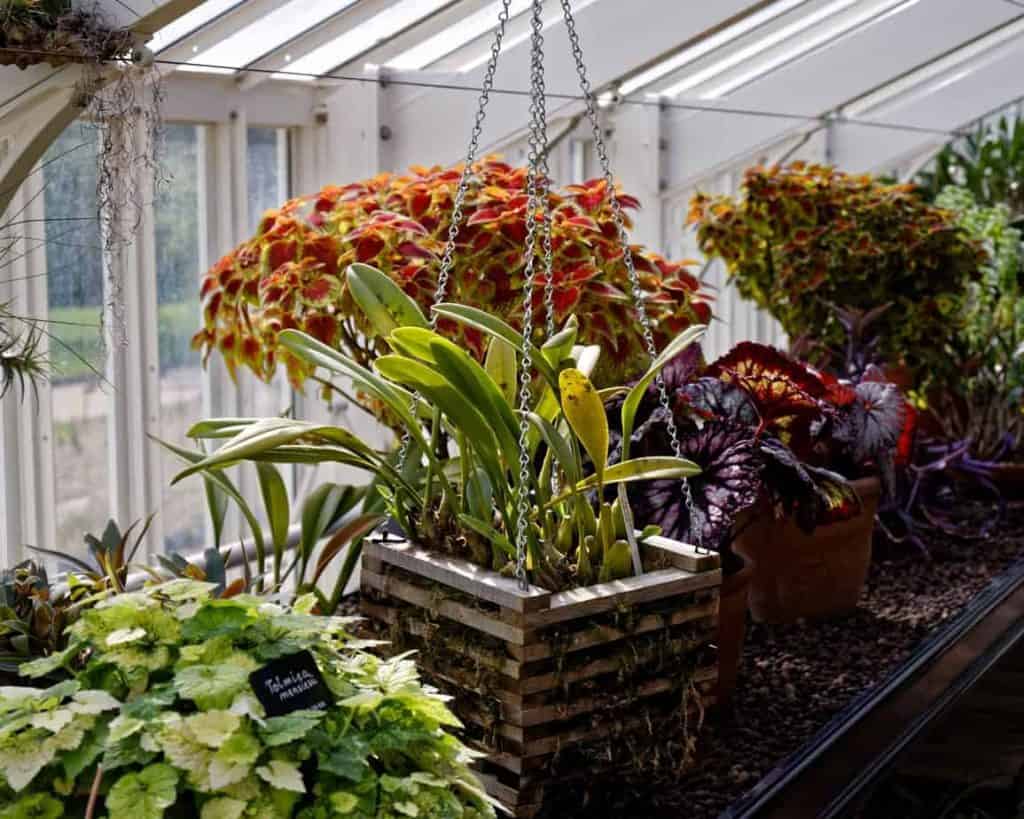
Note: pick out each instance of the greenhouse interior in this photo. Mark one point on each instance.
(461, 409)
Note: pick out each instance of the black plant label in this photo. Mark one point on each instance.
(291, 683)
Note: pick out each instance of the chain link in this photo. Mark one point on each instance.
(619, 219)
(534, 191)
(463, 188)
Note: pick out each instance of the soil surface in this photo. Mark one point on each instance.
(794, 679)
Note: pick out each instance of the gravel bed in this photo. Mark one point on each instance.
(795, 678)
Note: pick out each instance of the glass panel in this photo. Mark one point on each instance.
(74, 267)
(454, 37)
(272, 30)
(193, 21)
(266, 172)
(365, 36)
(176, 212)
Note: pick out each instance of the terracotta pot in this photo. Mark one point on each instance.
(814, 576)
(732, 629)
(1009, 479)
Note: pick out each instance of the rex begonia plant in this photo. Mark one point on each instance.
(158, 719)
(802, 240)
(763, 426)
(290, 275)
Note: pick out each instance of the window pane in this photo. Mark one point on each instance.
(81, 404)
(176, 212)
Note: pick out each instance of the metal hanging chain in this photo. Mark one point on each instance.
(619, 219)
(533, 194)
(462, 189)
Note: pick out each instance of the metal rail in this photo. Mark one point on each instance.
(837, 769)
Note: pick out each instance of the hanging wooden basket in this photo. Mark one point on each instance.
(556, 686)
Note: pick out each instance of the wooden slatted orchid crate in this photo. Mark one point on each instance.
(556, 687)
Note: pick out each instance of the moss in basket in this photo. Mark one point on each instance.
(461, 485)
(159, 720)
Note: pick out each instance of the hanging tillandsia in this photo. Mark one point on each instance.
(120, 96)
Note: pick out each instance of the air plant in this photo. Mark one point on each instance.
(22, 362)
(461, 486)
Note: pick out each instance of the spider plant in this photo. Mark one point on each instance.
(462, 484)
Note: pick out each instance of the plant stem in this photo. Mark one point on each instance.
(94, 792)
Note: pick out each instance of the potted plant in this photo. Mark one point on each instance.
(291, 274)
(179, 704)
(593, 630)
(802, 239)
(774, 439)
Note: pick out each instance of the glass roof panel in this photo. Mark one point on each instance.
(706, 46)
(857, 20)
(192, 21)
(250, 43)
(454, 37)
(365, 36)
(512, 41)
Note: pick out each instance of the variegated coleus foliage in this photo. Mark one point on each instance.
(159, 696)
(291, 273)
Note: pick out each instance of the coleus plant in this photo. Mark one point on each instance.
(763, 426)
(158, 719)
(802, 239)
(460, 487)
(290, 275)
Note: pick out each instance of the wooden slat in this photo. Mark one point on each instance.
(461, 574)
(541, 715)
(602, 634)
(683, 555)
(417, 596)
(595, 668)
(580, 603)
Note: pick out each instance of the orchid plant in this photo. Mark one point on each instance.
(462, 485)
(291, 274)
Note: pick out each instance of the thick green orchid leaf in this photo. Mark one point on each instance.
(385, 304)
(690, 335)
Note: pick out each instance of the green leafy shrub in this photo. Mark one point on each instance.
(989, 163)
(159, 720)
(985, 402)
(802, 240)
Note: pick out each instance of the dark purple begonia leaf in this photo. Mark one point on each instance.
(871, 426)
(714, 398)
(730, 481)
(810, 495)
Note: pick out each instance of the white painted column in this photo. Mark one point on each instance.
(636, 158)
(27, 504)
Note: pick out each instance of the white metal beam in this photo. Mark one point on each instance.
(822, 81)
(142, 16)
(211, 100)
(432, 125)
